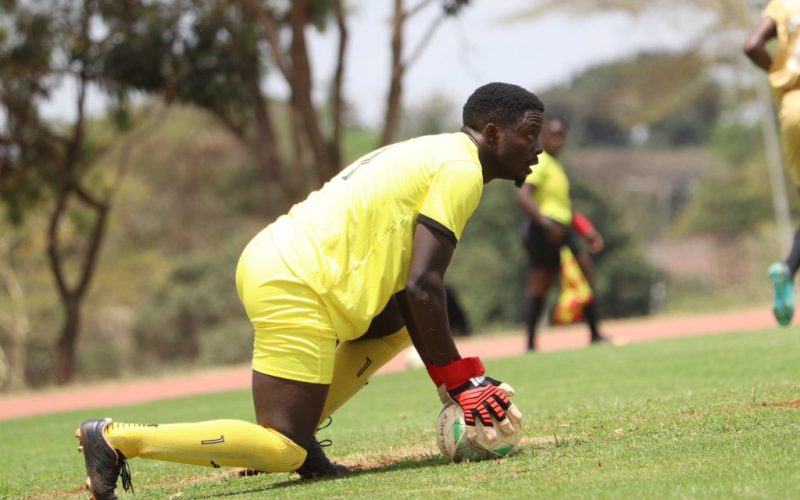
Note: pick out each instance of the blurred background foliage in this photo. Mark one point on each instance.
(664, 155)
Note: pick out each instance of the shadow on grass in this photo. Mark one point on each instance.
(382, 466)
(398, 465)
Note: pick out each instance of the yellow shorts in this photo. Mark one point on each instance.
(789, 117)
(294, 336)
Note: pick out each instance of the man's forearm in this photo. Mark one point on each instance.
(425, 311)
(760, 57)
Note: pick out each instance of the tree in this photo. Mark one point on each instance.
(727, 20)
(401, 63)
(672, 96)
(730, 13)
(42, 46)
(215, 54)
(220, 57)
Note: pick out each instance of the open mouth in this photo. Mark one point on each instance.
(529, 166)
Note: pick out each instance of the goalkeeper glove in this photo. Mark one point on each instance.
(482, 399)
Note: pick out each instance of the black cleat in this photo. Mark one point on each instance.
(317, 464)
(103, 463)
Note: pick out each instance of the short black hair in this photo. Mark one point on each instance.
(500, 103)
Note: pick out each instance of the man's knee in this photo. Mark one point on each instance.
(290, 407)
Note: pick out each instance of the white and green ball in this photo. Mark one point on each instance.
(451, 436)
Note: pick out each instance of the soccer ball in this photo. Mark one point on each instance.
(451, 436)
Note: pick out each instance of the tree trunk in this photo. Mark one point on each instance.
(264, 147)
(65, 352)
(337, 101)
(305, 120)
(71, 297)
(17, 352)
(17, 357)
(393, 99)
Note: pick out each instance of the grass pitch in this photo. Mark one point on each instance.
(703, 417)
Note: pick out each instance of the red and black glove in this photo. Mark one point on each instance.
(478, 396)
(481, 400)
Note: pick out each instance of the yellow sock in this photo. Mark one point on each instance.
(356, 362)
(215, 443)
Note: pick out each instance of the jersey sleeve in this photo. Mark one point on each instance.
(452, 197)
(772, 10)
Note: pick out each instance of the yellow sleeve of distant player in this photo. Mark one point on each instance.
(773, 10)
(452, 198)
(539, 171)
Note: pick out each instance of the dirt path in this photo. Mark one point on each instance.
(122, 392)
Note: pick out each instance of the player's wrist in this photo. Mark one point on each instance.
(456, 374)
(433, 373)
(582, 225)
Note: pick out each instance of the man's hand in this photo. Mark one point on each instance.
(505, 388)
(596, 243)
(481, 401)
(484, 400)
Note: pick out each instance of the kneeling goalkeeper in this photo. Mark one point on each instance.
(340, 285)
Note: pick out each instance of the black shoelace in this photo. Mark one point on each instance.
(125, 473)
(325, 442)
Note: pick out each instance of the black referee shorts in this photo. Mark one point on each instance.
(542, 253)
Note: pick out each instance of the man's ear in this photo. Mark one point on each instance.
(491, 134)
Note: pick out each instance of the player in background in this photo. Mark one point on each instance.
(781, 20)
(545, 200)
(340, 285)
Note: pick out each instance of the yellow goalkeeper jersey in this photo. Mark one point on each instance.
(351, 240)
(552, 189)
(784, 74)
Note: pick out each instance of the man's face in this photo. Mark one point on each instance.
(519, 146)
(554, 135)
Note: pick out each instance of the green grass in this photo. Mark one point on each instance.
(707, 417)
